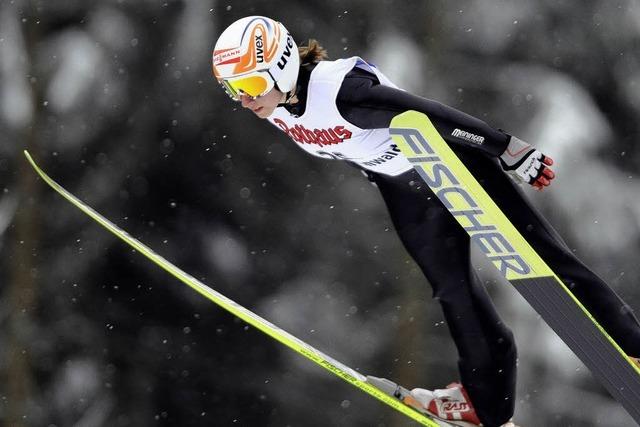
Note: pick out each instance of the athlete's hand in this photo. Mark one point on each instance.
(526, 164)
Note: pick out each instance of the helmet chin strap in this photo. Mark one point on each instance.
(288, 95)
(287, 98)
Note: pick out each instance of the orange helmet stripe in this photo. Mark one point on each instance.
(249, 60)
(271, 50)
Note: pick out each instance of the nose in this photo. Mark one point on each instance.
(246, 100)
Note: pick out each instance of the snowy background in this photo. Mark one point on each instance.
(116, 101)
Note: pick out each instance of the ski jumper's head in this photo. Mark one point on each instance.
(256, 61)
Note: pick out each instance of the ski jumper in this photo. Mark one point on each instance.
(343, 112)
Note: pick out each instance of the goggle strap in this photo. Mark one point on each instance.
(228, 89)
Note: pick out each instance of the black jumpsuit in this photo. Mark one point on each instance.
(440, 247)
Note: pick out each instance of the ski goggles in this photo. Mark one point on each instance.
(253, 85)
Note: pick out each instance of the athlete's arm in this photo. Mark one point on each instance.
(366, 103)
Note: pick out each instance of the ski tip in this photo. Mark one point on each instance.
(28, 156)
(33, 164)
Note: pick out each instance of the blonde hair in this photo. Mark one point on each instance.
(312, 53)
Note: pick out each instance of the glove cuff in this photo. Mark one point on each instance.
(516, 152)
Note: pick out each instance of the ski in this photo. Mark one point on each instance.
(515, 259)
(337, 368)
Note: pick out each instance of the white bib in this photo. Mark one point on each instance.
(323, 132)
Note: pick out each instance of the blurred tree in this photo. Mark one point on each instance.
(24, 237)
(116, 100)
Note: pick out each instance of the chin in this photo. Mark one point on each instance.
(264, 113)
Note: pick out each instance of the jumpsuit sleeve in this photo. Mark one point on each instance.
(366, 103)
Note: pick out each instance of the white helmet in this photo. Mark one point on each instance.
(253, 55)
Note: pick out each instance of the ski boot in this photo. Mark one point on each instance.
(450, 405)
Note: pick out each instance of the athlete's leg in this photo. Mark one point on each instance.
(609, 310)
(487, 353)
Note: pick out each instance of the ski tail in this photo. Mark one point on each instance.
(514, 258)
(335, 367)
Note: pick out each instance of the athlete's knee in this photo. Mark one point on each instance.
(507, 344)
(452, 291)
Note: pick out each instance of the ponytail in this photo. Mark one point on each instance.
(312, 53)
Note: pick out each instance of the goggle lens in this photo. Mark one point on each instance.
(252, 86)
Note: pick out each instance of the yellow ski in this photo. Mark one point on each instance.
(516, 260)
(351, 376)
